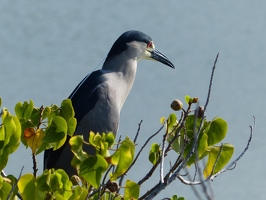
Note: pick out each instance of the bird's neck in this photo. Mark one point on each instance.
(124, 65)
(122, 79)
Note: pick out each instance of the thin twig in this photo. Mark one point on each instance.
(35, 169)
(162, 158)
(210, 85)
(137, 134)
(15, 185)
(147, 141)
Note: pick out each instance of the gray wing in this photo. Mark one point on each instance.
(84, 98)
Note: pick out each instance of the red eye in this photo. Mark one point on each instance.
(149, 45)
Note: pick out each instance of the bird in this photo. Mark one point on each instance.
(99, 97)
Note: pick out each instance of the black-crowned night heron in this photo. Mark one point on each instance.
(100, 96)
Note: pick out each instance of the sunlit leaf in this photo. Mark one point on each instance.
(5, 188)
(67, 111)
(216, 131)
(94, 138)
(10, 128)
(79, 193)
(123, 157)
(71, 125)
(102, 142)
(14, 133)
(132, 190)
(92, 168)
(4, 113)
(171, 122)
(192, 124)
(226, 153)
(56, 132)
(110, 139)
(187, 99)
(202, 144)
(162, 120)
(28, 188)
(46, 112)
(23, 111)
(175, 197)
(63, 183)
(10, 132)
(2, 136)
(33, 138)
(154, 154)
(55, 182)
(76, 143)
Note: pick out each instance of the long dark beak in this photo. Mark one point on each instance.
(159, 56)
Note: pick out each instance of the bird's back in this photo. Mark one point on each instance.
(92, 103)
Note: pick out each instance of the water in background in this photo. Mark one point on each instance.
(47, 47)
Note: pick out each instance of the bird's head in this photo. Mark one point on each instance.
(138, 45)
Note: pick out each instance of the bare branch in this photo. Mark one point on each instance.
(210, 85)
(162, 158)
(137, 134)
(15, 185)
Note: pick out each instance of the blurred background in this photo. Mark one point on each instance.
(48, 47)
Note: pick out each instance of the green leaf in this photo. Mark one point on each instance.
(63, 182)
(56, 183)
(10, 128)
(110, 139)
(102, 142)
(13, 180)
(132, 190)
(16, 135)
(54, 112)
(56, 132)
(216, 131)
(4, 159)
(67, 111)
(0, 102)
(95, 140)
(190, 125)
(28, 188)
(76, 143)
(23, 111)
(162, 120)
(5, 188)
(10, 132)
(123, 157)
(79, 193)
(171, 120)
(71, 125)
(175, 197)
(154, 154)
(202, 144)
(46, 112)
(92, 169)
(187, 99)
(35, 117)
(226, 153)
